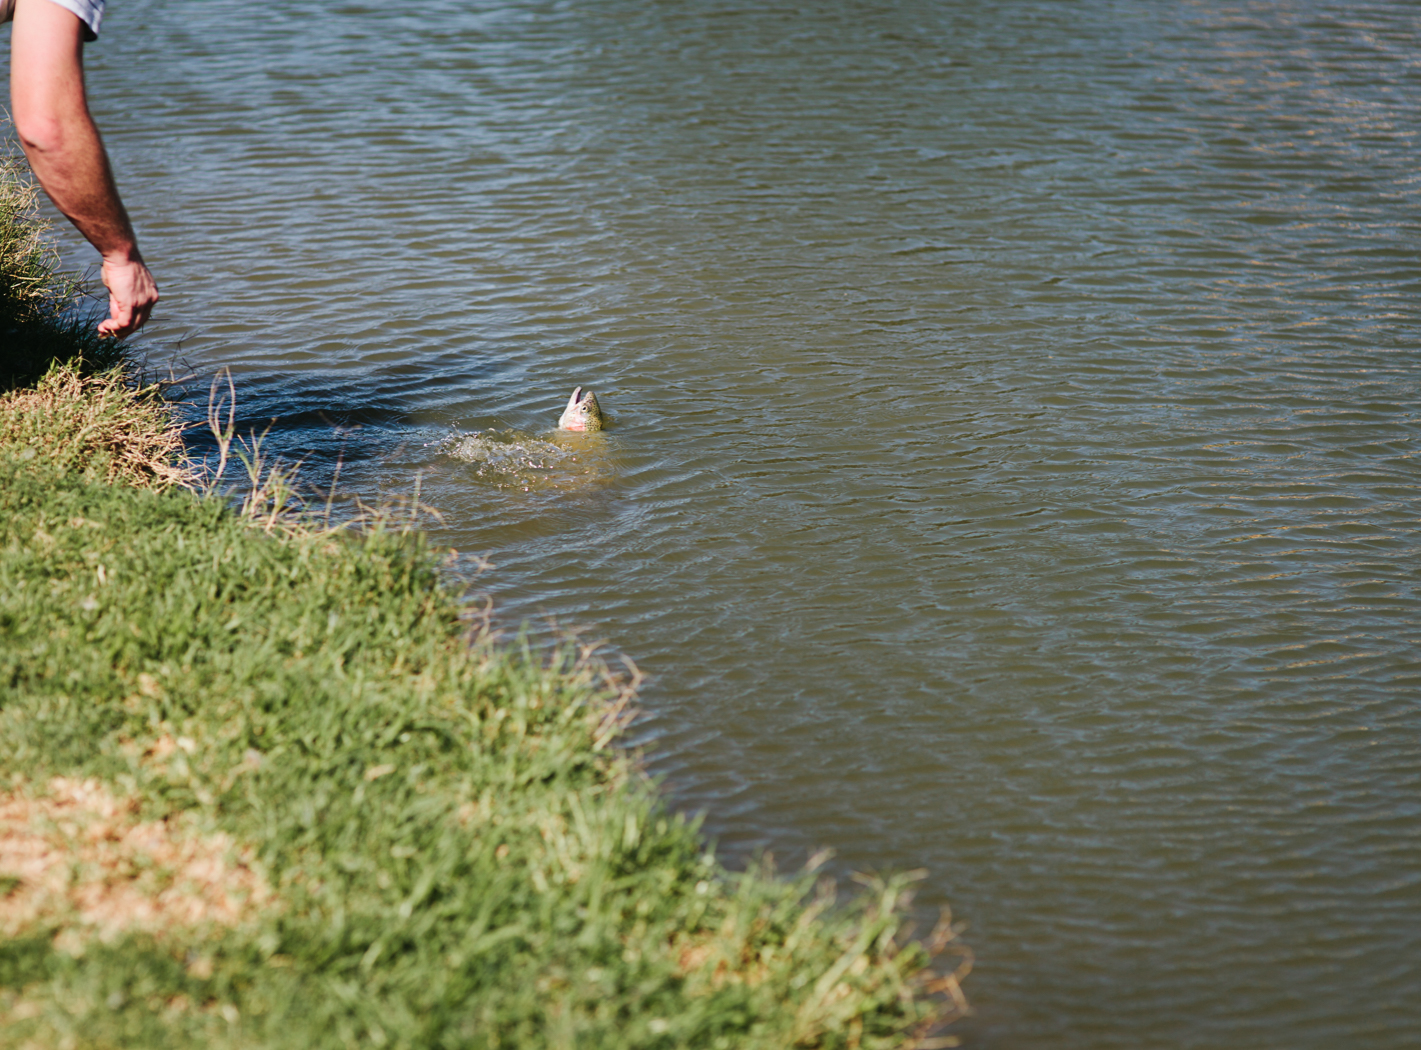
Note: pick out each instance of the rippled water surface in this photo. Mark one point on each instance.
(1015, 461)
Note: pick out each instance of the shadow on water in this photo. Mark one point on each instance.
(365, 441)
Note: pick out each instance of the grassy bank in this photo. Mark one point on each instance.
(273, 790)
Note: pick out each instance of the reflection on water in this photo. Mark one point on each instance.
(1017, 464)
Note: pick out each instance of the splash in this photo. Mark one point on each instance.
(511, 459)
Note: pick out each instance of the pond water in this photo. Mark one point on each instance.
(1014, 463)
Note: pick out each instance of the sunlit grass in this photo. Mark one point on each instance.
(97, 424)
(459, 854)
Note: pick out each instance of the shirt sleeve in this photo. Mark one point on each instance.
(90, 12)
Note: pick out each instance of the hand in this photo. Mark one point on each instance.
(132, 294)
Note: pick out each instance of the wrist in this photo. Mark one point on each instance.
(126, 255)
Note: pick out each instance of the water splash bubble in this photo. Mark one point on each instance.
(513, 459)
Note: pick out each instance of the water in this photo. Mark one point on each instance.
(1014, 471)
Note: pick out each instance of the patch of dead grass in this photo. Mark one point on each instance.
(80, 862)
(96, 422)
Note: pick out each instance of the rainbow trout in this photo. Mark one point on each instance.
(582, 412)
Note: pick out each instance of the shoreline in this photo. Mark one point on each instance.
(266, 787)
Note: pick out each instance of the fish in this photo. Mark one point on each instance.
(582, 412)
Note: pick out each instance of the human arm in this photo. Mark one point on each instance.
(58, 135)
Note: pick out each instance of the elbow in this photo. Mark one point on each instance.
(39, 133)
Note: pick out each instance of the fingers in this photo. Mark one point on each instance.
(120, 320)
(132, 295)
(124, 319)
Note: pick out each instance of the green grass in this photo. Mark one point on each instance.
(459, 855)
(432, 836)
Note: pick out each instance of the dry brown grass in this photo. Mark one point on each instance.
(78, 862)
(98, 424)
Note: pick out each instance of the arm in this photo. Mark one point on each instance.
(64, 149)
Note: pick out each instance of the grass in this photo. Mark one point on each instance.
(98, 425)
(274, 787)
(44, 316)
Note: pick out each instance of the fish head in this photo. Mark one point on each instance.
(582, 412)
